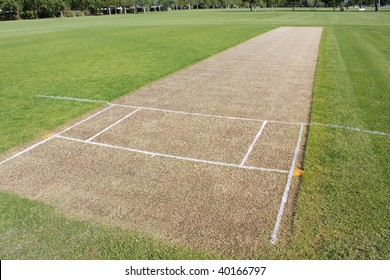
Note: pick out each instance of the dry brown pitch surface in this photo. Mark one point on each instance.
(202, 157)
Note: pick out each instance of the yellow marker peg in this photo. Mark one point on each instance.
(298, 172)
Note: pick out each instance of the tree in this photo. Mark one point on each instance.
(334, 4)
(12, 8)
(294, 3)
(56, 6)
(273, 3)
(252, 3)
(311, 3)
(377, 4)
(37, 6)
(145, 4)
(168, 4)
(95, 6)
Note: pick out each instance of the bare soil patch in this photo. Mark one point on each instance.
(97, 124)
(269, 77)
(275, 148)
(205, 206)
(118, 180)
(204, 138)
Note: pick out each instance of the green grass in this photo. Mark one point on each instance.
(344, 203)
(97, 58)
(343, 207)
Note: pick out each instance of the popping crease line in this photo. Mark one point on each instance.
(187, 113)
(171, 111)
(170, 156)
(207, 115)
(217, 116)
(287, 188)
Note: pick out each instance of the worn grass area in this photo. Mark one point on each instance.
(343, 207)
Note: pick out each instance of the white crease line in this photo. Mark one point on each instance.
(286, 189)
(112, 125)
(208, 115)
(217, 116)
(71, 98)
(82, 121)
(171, 156)
(169, 111)
(26, 150)
(55, 135)
(253, 144)
(158, 109)
(187, 113)
(351, 128)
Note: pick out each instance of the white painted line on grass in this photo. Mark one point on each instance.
(71, 98)
(55, 135)
(112, 125)
(253, 144)
(286, 189)
(351, 128)
(153, 154)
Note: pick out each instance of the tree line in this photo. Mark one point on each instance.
(29, 9)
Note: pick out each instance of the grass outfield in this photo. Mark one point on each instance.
(343, 208)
